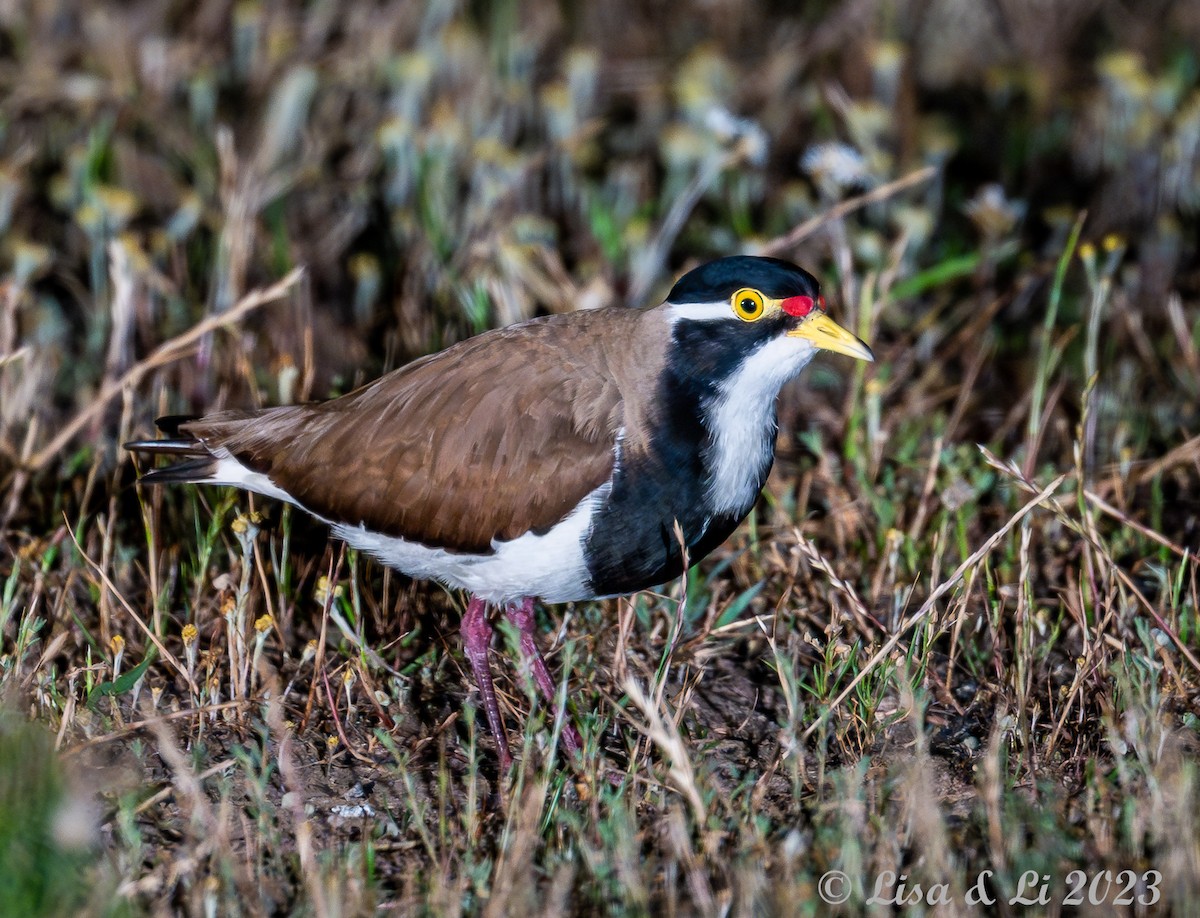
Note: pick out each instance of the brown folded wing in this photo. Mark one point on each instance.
(497, 436)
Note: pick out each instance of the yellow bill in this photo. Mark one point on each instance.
(826, 334)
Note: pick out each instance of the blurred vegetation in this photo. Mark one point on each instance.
(441, 168)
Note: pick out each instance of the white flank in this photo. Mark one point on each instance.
(231, 472)
(550, 566)
(741, 419)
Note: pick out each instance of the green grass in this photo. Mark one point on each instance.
(902, 665)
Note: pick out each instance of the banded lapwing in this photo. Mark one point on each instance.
(561, 459)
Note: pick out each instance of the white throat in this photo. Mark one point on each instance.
(741, 420)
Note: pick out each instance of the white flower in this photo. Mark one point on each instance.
(836, 167)
(743, 133)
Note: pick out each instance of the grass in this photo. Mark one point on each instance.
(954, 654)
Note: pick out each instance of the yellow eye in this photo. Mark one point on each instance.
(747, 304)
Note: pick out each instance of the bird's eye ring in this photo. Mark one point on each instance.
(748, 304)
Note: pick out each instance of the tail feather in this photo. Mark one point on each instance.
(170, 423)
(167, 447)
(190, 472)
(200, 464)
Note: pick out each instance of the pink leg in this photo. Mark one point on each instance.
(522, 618)
(476, 637)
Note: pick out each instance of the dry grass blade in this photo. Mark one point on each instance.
(296, 800)
(1101, 550)
(1125, 520)
(19, 354)
(928, 606)
(865, 621)
(1186, 453)
(171, 659)
(155, 799)
(650, 260)
(665, 735)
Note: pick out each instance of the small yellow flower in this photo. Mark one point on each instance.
(246, 524)
(321, 593)
(190, 634)
(263, 623)
(118, 204)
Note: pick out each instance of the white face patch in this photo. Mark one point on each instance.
(741, 421)
(699, 312)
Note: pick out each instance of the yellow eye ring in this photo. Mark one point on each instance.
(748, 304)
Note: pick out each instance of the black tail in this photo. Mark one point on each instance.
(200, 464)
(190, 472)
(178, 447)
(170, 423)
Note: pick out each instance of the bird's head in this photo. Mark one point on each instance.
(751, 316)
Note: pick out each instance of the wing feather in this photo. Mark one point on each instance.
(496, 436)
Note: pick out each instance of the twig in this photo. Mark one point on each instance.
(165, 353)
(335, 569)
(167, 791)
(664, 666)
(143, 724)
(797, 235)
(1188, 451)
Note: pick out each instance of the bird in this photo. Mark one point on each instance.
(577, 456)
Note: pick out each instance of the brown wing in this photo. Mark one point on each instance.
(499, 435)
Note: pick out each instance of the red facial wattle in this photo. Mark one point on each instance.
(800, 306)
